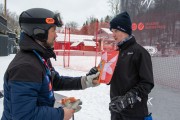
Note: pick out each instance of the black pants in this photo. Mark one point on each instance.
(118, 116)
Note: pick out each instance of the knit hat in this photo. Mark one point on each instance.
(122, 22)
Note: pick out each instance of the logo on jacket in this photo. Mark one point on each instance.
(130, 53)
(149, 101)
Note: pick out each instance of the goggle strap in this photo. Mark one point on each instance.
(33, 20)
(39, 21)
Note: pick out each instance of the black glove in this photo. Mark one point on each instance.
(93, 70)
(119, 103)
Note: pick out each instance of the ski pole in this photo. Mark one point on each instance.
(1, 94)
(73, 117)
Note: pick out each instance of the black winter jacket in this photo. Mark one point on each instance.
(133, 72)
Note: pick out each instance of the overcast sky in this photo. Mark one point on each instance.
(71, 10)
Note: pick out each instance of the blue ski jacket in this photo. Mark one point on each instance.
(29, 84)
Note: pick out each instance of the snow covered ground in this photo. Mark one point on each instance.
(95, 100)
(164, 101)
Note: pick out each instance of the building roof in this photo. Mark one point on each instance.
(3, 24)
(86, 43)
(75, 44)
(73, 37)
(89, 43)
(106, 30)
(4, 28)
(105, 34)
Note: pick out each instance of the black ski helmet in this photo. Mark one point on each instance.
(37, 21)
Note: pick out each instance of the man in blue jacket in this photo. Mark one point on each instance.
(30, 79)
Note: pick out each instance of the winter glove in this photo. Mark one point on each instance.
(90, 81)
(72, 103)
(119, 103)
(93, 70)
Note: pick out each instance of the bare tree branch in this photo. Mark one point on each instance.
(115, 6)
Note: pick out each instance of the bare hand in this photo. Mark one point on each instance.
(68, 113)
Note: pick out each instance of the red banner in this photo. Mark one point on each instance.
(107, 65)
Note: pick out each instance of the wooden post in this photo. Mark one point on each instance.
(5, 14)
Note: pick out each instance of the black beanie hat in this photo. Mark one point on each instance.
(122, 22)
